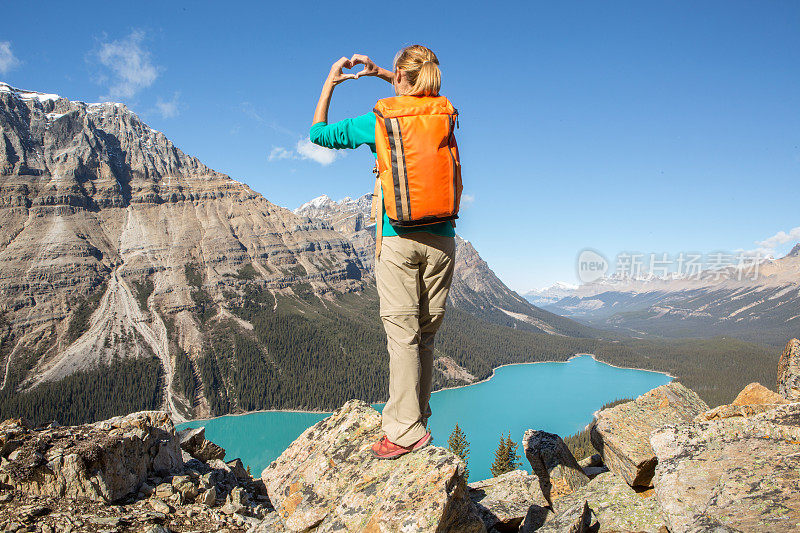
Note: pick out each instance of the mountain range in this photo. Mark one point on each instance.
(115, 246)
(754, 303)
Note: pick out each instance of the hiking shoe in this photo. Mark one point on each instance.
(386, 449)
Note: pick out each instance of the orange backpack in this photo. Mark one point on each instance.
(418, 170)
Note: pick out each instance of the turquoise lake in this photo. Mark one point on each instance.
(555, 397)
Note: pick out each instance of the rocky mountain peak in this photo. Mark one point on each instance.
(794, 252)
(87, 154)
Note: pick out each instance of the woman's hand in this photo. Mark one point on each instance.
(336, 75)
(370, 68)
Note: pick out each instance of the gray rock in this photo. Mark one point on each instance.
(207, 497)
(106, 461)
(733, 474)
(789, 371)
(503, 501)
(328, 479)
(592, 460)
(165, 490)
(159, 506)
(622, 433)
(239, 470)
(592, 471)
(194, 442)
(558, 471)
(272, 523)
(615, 506)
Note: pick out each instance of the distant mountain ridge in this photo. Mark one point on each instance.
(717, 302)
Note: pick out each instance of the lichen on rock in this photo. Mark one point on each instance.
(328, 479)
(622, 433)
(733, 474)
(789, 371)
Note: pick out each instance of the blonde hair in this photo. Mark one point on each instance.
(421, 66)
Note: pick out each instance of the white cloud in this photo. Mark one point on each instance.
(7, 59)
(130, 65)
(170, 108)
(780, 238)
(309, 150)
(768, 246)
(279, 152)
(467, 200)
(305, 149)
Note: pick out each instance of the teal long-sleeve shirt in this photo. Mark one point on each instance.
(352, 133)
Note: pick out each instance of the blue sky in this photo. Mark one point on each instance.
(661, 127)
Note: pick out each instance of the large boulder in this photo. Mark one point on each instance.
(606, 503)
(789, 371)
(105, 461)
(552, 462)
(503, 501)
(754, 399)
(194, 442)
(758, 394)
(733, 474)
(622, 433)
(328, 479)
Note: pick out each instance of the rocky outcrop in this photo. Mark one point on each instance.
(734, 474)
(193, 441)
(606, 503)
(754, 399)
(789, 371)
(105, 462)
(622, 433)
(328, 480)
(757, 394)
(125, 473)
(503, 501)
(552, 462)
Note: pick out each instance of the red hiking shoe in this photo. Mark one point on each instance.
(386, 449)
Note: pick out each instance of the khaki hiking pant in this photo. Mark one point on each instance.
(413, 274)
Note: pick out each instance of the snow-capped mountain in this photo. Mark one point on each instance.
(551, 294)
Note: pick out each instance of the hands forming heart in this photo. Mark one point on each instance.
(337, 75)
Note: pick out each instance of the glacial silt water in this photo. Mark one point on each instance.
(555, 397)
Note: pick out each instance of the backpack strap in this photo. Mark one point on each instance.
(376, 214)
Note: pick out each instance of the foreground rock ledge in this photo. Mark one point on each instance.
(622, 433)
(327, 480)
(613, 506)
(789, 371)
(734, 474)
(103, 462)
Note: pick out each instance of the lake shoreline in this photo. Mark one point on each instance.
(494, 370)
(549, 361)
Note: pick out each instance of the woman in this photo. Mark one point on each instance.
(414, 267)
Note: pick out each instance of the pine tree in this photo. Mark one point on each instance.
(500, 464)
(505, 457)
(458, 444)
(511, 451)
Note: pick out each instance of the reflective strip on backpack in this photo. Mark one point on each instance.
(399, 173)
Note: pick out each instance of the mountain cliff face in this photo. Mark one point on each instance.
(115, 246)
(95, 206)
